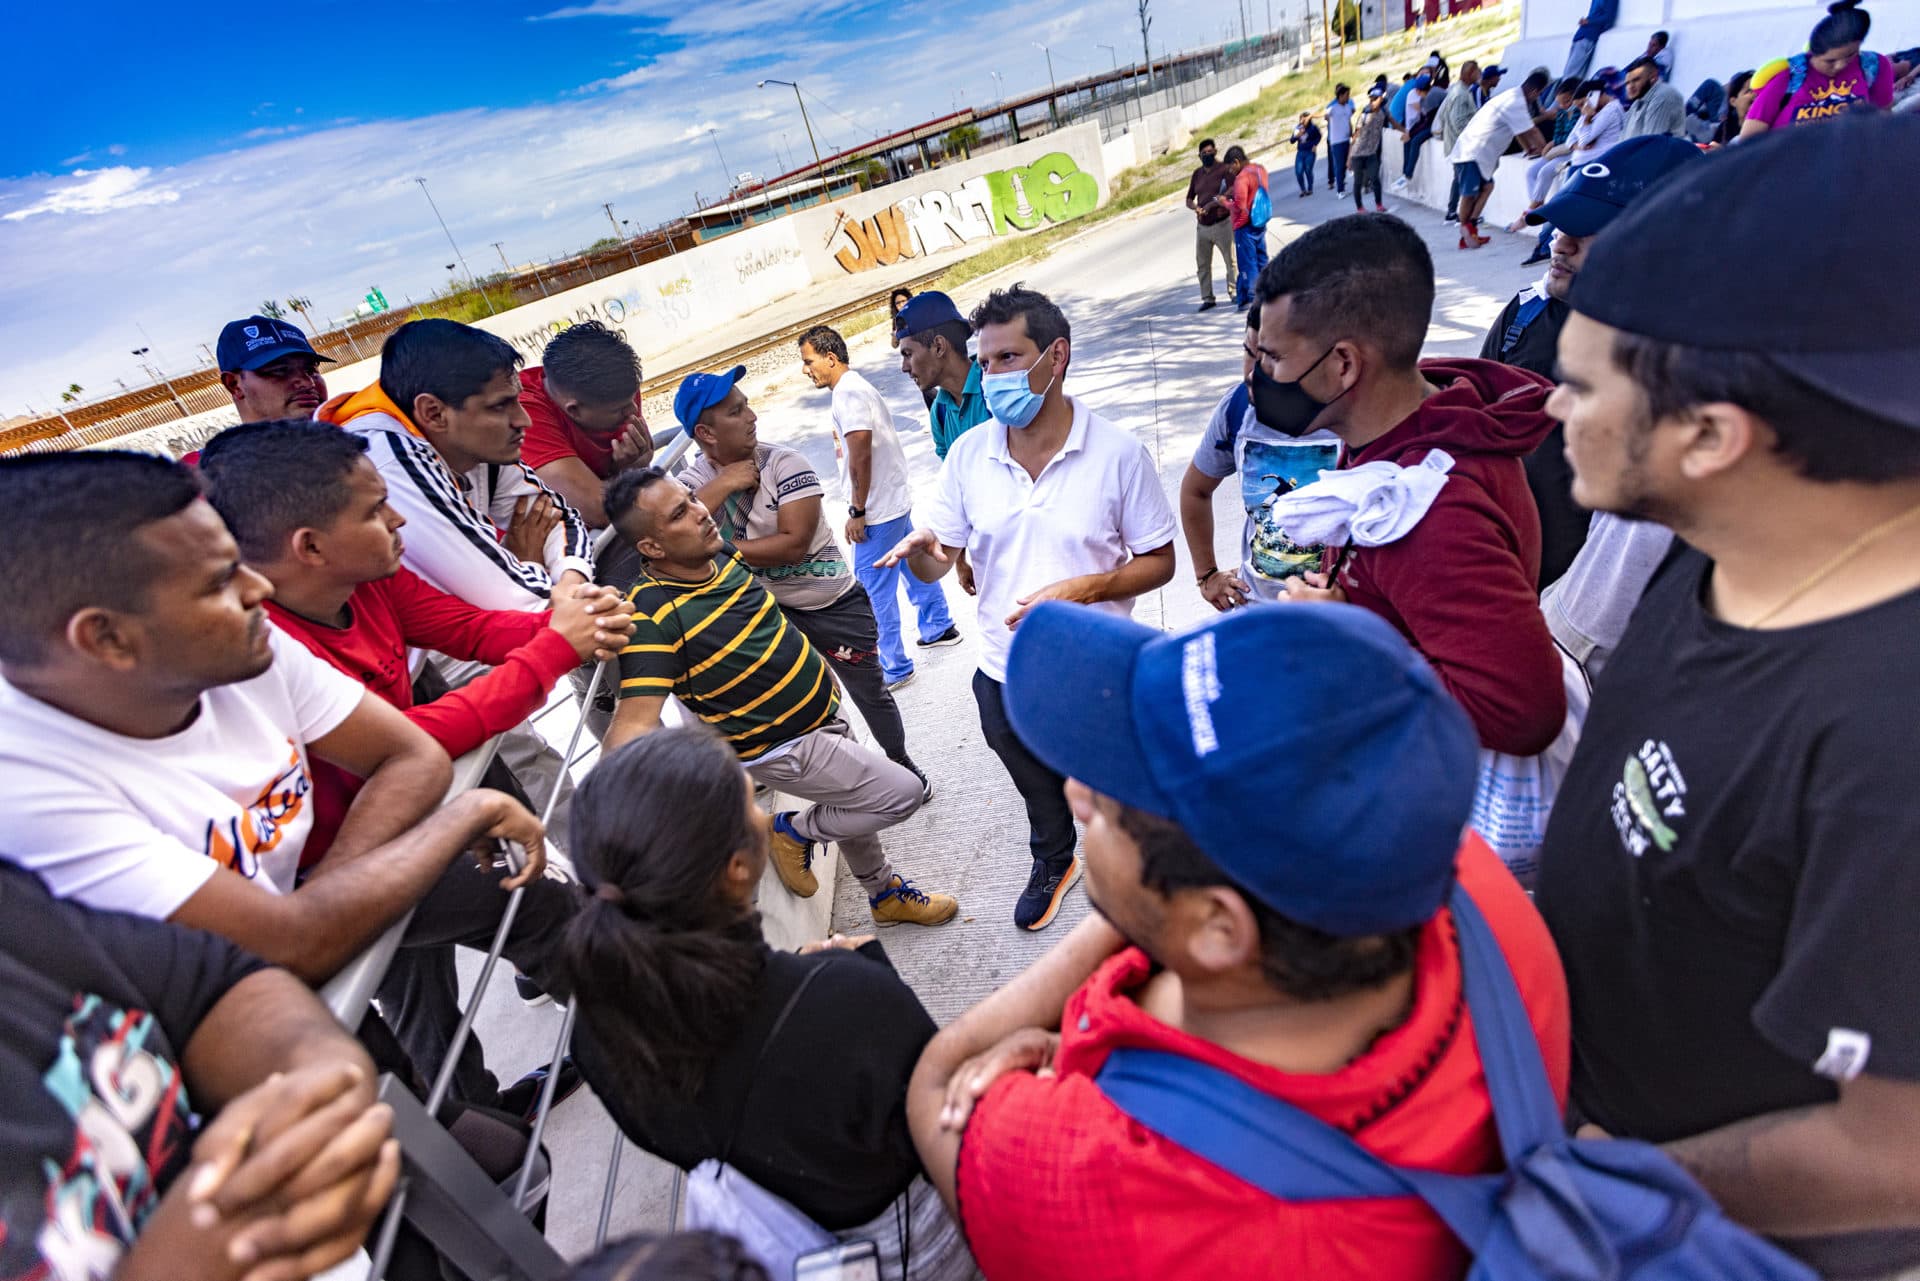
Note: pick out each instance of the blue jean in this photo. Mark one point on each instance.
(1412, 154)
(1303, 170)
(1250, 257)
(1337, 165)
(883, 586)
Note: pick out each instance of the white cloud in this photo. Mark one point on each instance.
(97, 191)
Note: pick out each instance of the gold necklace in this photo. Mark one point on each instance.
(1845, 554)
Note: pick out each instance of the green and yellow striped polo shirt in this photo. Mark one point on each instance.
(724, 649)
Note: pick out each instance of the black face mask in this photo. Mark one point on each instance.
(1286, 407)
(1206, 157)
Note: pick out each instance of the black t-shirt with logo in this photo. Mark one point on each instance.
(94, 1116)
(1732, 870)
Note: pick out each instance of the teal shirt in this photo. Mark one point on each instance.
(952, 418)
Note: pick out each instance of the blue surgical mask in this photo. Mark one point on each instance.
(1011, 397)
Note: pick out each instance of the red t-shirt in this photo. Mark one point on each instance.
(552, 435)
(1055, 1181)
(395, 614)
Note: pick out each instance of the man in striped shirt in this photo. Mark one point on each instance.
(707, 632)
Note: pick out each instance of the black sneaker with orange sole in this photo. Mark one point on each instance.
(1046, 890)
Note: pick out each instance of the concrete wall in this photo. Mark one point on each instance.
(1045, 180)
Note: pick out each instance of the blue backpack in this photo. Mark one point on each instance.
(1800, 64)
(1565, 1209)
(1260, 213)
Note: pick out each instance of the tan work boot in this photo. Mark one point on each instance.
(901, 902)
(793, 857)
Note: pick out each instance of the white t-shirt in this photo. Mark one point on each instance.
(139, 824)
(1095, 505)
(1339, 121)
(859, 406)
(1492, 130)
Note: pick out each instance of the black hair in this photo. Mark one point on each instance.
(268, 479)
(443, 359)
(68, 538)
(1342, 88)
(1592, 86)
(1570, 86)
(1236, 154)
(1364, 274)
(1046, 323)
(826, 341)
(898, 299)
(1298, 960)
(1846, 23)
(1823, 438)
(1644, 61)
(1737, 83)
(1205, 143)
(592, 362)
(672, 1256)
(1662, 37)
(622, 495)
(1536, 81)
(956, 332)
(1253, 316)
(662, 965)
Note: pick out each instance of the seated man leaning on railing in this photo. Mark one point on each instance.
(173, 1108)
(708, 1046)
(311, 515)
(157, 736)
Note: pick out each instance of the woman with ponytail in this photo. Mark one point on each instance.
(704, 1043)
(1834, 76)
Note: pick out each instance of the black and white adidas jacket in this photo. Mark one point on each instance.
(454, 523)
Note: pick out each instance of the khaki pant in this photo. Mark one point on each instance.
(856, 794)
(1209, 237)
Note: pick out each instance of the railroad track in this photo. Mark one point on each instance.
(663, 384)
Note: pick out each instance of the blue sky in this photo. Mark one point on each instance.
(179, 164)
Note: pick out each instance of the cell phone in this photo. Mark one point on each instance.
(847, 1261)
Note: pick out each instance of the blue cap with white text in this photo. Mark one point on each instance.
(700, 392)
(260, 340)
(1308, 751)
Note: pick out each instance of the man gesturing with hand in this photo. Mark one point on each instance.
(1050, 501)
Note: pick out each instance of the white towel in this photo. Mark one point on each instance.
(1369, 506)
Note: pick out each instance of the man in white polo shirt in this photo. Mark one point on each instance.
(1049, 501)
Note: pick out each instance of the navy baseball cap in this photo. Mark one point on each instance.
(1495, 70)
(923, 312)
(1307, 750)
(700, 392)
(1601, 189)
(257, 341)
(1701, 263)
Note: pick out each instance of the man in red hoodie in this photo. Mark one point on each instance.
(311, 515)
(1344, 310)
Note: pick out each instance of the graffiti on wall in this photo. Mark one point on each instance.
(1051, 189)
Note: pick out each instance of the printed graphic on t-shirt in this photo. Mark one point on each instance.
(114, 1075)
(238, 841)
(1269, 470)
(1839, 95)
(736, 512)
(1650, 800)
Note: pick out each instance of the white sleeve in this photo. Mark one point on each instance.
(448, 543)
(319, 694)
(867, 412)
(946, 515)
(92, 847)
(569, 544)
(1146, 518)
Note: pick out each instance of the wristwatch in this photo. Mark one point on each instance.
(861, 512)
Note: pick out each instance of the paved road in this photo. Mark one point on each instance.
(1143, 358)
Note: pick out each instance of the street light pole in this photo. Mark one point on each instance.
(1115, 55)
(456, 248)
(154, 370)
(725, 172)
(1146, 50)
(623, 235)
(819, 170)
(1053, 111)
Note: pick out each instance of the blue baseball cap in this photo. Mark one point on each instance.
(1601, 189)
(700, 392)
(1306, 749)
(259, 340)
(923, 312)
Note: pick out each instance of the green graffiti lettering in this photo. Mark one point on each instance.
(1051, 189)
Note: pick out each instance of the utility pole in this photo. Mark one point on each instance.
(728, 173)
(819, 170)
(623, 235)
(1146, 51)
(1326, 43)
(1115, 55)
(1053, 106)
(142, 353)
(456, 248)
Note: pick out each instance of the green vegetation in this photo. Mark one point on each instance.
(469, 305)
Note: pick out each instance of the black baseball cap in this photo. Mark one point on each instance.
(1601, 189)
(1707, 260)
(257, 341)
